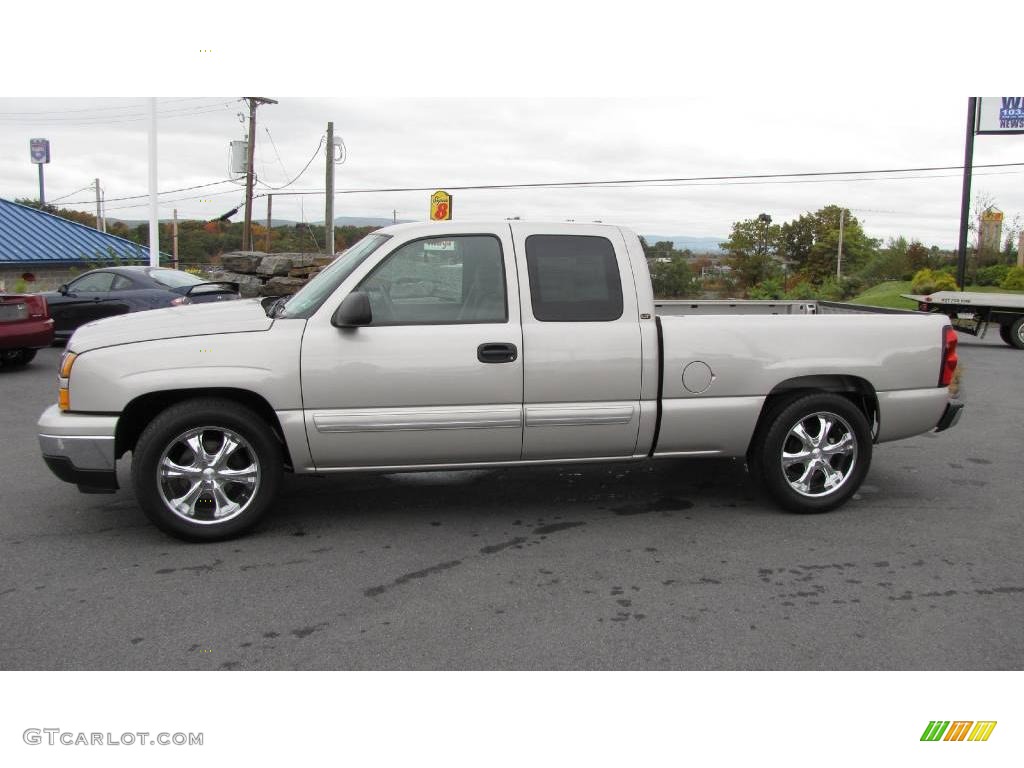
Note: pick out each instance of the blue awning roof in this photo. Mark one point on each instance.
(30, 236)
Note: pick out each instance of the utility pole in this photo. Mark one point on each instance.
(103, 209)
(394, 215)
(270, 202)
(254, 101)
(839, 255)
(329, 213)
(154, 208)
(174, 235)
(99, 225)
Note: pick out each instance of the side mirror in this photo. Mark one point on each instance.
(63, 289)
(353, 311)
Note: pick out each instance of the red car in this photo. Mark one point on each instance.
(25, 326)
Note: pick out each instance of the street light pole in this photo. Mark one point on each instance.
(965, 193)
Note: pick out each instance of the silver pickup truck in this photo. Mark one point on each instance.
(460, 345)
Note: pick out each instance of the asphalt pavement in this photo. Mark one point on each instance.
(676, 564)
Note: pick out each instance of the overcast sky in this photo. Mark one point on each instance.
(713, 113)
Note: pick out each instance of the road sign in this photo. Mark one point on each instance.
(1000, 114)
(440, 206)
(40, 150)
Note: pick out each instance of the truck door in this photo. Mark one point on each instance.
(437, 377)
(582, 348)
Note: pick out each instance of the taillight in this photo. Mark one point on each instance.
(949, 358)
(180, 300)
(36, 306)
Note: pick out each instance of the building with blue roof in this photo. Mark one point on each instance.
(44, 250)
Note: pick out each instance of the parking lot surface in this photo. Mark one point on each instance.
(678, 564)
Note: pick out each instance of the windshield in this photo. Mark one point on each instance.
(315, 292)
(173, 278)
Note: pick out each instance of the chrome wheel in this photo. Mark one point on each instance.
(208, 475)
(819, 454)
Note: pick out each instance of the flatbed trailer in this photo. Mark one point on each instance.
(973, 313)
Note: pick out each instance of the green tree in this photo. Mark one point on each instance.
(753, 250)
(917, 256)
(672, 278)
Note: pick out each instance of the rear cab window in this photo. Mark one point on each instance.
(573, 278)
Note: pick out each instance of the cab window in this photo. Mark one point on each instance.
(573, 278)
(449, 280)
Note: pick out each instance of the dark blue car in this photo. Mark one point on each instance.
(120, 290)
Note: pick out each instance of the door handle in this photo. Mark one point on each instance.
(497, 353)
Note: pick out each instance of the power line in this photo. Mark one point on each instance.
(274, 145)
(655, 183)
(205, 109)
(69, 194)
(173, 200)
(315, 153)
(165, 192)
(99, 109)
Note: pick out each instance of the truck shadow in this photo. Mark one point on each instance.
(463, 497)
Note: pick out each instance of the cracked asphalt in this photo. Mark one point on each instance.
(679, 564)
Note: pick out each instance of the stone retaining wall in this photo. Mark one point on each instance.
(261, 274)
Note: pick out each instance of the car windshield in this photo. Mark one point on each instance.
(315, 292)
(173, 278)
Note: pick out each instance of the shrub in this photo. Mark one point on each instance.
(767, 289)
(926, 281)
(993, 275)
(1014, 280)
(802, 290)
(830, 290)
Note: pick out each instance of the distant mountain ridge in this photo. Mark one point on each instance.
(680, 242)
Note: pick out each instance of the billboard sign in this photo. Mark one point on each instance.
(39, 150)
(440, 206)
(1000, 114)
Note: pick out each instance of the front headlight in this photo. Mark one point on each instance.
(66, 361)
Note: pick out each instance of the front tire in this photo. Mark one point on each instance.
(815, 452)
(1013, 333)
(206, 469)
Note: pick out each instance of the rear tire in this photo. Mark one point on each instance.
(15, 358)
(1013, 333)
(814, 453)
(206, 469)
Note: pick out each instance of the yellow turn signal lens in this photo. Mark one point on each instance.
(66, 362)
(64, 399)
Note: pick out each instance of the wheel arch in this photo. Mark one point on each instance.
(856, 389)
(140, 411)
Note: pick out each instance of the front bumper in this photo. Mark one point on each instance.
(950, 417)
(79, 448)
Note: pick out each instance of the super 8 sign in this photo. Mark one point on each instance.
(440, 206)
